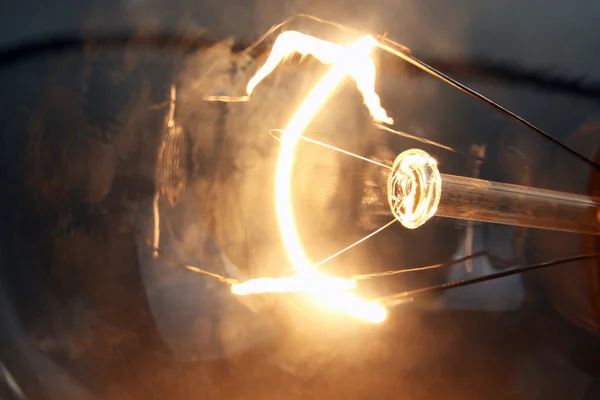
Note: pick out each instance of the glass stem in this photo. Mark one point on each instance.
(502, 203)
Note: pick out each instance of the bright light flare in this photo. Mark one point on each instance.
(300, 283)
(352, 305)
(350, 60)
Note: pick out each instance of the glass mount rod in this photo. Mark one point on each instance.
(416, 191)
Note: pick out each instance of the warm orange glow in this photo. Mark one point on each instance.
(352, 60)
(299, 283)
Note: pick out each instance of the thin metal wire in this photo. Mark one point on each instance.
(361, 277)
(227, 99)
(370, 235)
(434, 266)
(156, 214)
(401, 297)
(313, 141)
(417, 138)
(404, 53)
(169, 123)
(161, 254)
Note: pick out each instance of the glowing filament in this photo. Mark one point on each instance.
(350, 60)
(300, 283)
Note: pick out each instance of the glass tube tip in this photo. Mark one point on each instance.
(414, 188)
